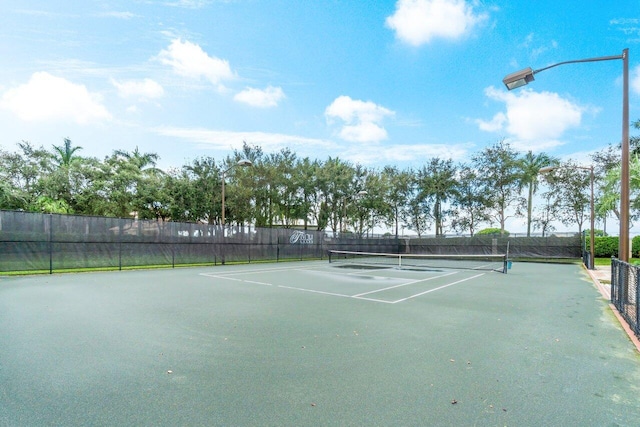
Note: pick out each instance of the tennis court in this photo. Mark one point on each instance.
(314, 343)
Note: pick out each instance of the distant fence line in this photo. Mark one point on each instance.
(51, 242)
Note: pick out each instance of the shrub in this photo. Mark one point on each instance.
(596, 232)
(635, 247)
(492, 232)
(605, 247)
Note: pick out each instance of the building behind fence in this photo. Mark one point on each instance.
(51, 242)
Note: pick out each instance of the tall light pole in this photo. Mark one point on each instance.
(548, 169)
(243, 163)
(523, 77)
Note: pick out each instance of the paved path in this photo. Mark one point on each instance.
(601, 277)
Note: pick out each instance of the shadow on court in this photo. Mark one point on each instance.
(307, 343)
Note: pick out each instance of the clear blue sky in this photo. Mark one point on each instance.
(373, 82)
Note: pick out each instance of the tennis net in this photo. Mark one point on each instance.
(498, 262)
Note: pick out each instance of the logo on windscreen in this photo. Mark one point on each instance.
(301, 237)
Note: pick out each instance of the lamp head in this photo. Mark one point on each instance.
(547, 169)
(519, 78)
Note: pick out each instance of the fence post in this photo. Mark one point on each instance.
(172, 242)
(636, 322)
(613, 275)
(119, 244)
(50, 243)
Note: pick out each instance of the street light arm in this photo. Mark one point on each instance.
(575, 61)
(524, 77)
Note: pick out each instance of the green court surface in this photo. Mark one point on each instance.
(314, 344)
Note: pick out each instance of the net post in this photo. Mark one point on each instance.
(50, 245)
(506, 259)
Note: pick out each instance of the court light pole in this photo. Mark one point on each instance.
(548, 169)
(523, 77)
(242, 163)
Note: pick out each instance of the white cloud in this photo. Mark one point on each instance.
(46, 97)
(226, 140)
(144, 89)
(207, 139)
(538, 117)
(189, 60)
(361, 120)
(417, 22)
(494, 125)
(635, 80)
(537, 51)
(268, 97)
(410, 153)
(118, 15)
(189, 4)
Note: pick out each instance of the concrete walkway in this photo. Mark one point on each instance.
(601, 277)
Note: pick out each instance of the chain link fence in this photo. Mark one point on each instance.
(50, 242)
(625, 283)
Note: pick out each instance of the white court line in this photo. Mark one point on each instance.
(357, 296)
(258, 283)
(264, 270)
(404, 284)
(314, 291)
(238, 280)
(437, 289)
(374, 300)
(227, 278)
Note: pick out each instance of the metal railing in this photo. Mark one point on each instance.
(625, 280)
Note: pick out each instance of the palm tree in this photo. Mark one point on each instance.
(530, 166)
(65, 153)
(438, 184)
(61, 179)
(133, 183)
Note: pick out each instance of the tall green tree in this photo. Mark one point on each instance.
(287, 185)
(65, 181)
(415, 213)
(240, 191)
(126, 176)
(499, 175)
(65, 154)
(397, 188)
(438, 185)
(306, 175)
(570, 188)
(546, 213)
(530, 165)
(469, 201)
(337, 178)
(24, 173)
(609, 199)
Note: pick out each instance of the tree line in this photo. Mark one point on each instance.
(281, 189)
